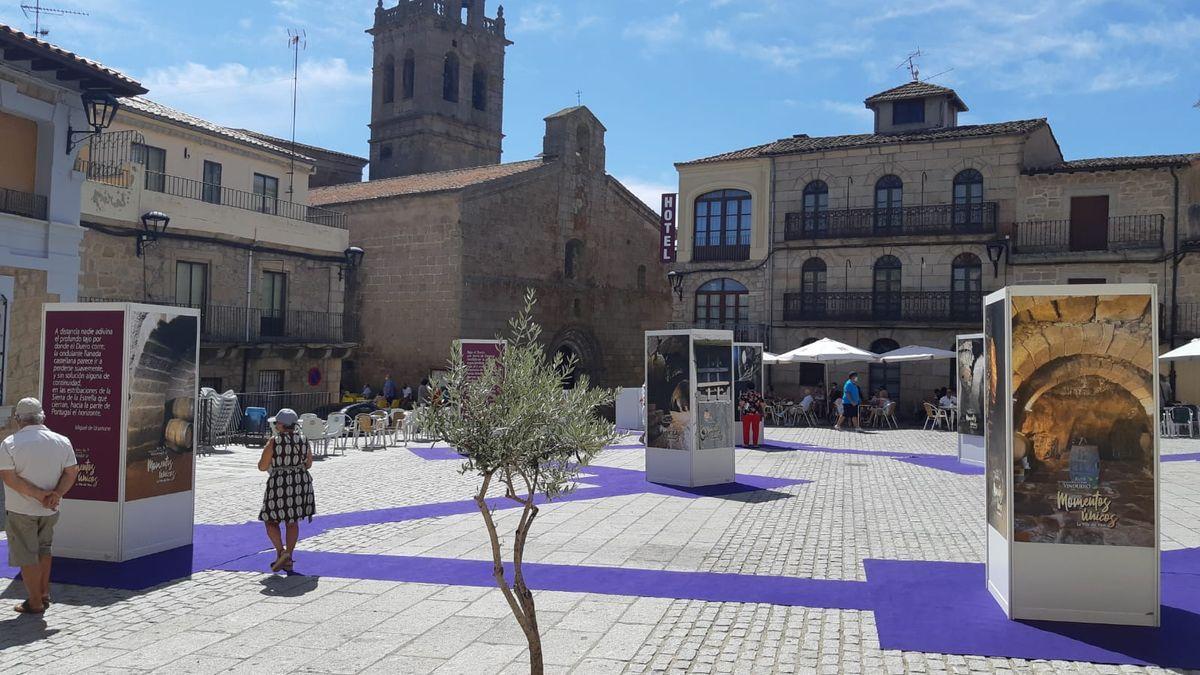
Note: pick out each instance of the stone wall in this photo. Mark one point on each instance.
(22, 360)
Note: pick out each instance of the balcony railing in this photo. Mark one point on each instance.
(226, 323)
(1057, 236)
(743, 331)
(240, 199)
(895, 222)
(22, 204)
(721, 252)
(915, 306)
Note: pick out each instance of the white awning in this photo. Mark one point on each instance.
(1189, 351)
(916, 353)
(827, 351)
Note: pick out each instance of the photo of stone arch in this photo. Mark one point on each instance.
(669, 417)
(1084, 412)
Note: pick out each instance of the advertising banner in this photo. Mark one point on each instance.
(714, 394)
(669, 421)
(477, 353)
(1084, 415)
(82, 394)
(162, 404)
(747, 370)
(971, 370)
(995, 420)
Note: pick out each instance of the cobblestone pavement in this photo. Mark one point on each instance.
(856, 506)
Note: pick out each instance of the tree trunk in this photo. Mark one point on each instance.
(535, 652)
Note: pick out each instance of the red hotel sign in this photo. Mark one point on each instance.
(667, 228)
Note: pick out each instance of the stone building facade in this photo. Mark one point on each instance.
(438, 96)
(267, 272)
(449, 255)
(40, 97)
(892, 238)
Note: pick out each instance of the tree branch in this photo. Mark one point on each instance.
(497, 558)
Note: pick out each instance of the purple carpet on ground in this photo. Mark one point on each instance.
(948, 463)
(945, 608)
(437, 452)
(710, 586)
(1182, 457)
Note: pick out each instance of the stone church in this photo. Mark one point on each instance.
(453, 237)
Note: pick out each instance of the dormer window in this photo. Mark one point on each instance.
(908, 111)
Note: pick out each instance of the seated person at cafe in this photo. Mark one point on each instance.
(947, 400)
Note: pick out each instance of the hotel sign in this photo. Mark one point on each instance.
(667, 228)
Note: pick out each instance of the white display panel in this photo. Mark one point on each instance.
(970, 371)
(1072, 454)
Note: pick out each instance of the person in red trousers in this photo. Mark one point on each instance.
(752, 406)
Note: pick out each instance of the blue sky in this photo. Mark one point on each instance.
(678, 79)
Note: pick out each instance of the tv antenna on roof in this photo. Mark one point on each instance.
(36, 10)
(297, 40)
(910, 62)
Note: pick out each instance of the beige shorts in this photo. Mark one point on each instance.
(29, 537)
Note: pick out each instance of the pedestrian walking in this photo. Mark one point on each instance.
(752, 411)
(851, 399)
(38, 467)
(289, 495)
(389, 390)
(424, 392)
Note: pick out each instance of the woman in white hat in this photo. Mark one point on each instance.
(289, 495)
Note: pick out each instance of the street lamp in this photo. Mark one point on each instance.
(996, 250)
(99, 107)
(353, 258)
(154, 223)
(676, 280)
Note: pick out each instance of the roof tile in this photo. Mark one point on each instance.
(1118, 163)
(916, 89)
(155, 109)
(124, 85)
(418, 184)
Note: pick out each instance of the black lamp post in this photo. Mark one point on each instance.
(995, 251)
(353, 258)
(154, 223)
(676, 280)
(99, 107)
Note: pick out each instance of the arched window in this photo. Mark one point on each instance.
(884, 375)
(722, 229)
(410, 74)
(886, 298)
(450, 77)
(816, 203)
(572, 258)
(722, 302)
(389, 80)
(966, 288)
(641, 277)
(812, 288)
(479, 83)
(968, 199)
(889, 203)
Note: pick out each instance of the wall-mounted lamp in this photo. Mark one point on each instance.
(996, 249)
(154, 223)
(676, 280)
(352, 257)
(99, 107)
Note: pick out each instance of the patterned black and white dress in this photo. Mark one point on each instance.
(289, 496)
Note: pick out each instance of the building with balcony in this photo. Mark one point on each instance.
(266, 269)
(41, 86)
(893, 237)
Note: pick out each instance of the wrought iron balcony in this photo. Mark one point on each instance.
(914, 306)
(895, 222)
(22, 204)
(721, 252)
(226, 323)
(1051, 237)
(240, 199)
(743, 331)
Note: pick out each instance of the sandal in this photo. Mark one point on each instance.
(24, 608)
(282, 560)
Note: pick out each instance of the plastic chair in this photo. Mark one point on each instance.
(398, 425)
(335, 429)
(314, 430)
(382, 426)
(888, 415)
(364, 427)
(935, 417)
(1183, 420)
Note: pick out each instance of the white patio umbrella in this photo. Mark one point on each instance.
(826, 351)
(1189, 351)
(916, 353)
(770, 359)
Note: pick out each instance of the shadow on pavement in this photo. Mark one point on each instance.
(291, 586)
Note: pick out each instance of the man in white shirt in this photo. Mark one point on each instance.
(38, 468)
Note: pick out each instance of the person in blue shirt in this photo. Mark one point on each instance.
(851, 398)
(389, 389)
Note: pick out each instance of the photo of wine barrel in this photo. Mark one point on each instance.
(184, 408)
(179, 435)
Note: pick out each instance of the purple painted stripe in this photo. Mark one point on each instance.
(1182, 457)
(948, 463)
(710, 586)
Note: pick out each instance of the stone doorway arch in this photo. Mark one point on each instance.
(580, 343)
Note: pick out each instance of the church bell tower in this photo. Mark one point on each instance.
(437, 98)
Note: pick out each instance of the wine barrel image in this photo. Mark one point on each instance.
(184, 408)
(179, 435)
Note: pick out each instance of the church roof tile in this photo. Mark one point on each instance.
(422, 183)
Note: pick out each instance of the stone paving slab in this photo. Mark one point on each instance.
(857, 507)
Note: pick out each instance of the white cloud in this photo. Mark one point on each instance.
(235, 95)
(1127, 76)
(648, 191)
(857, 112)
(657, 32)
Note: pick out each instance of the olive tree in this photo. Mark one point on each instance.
(524, 435)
